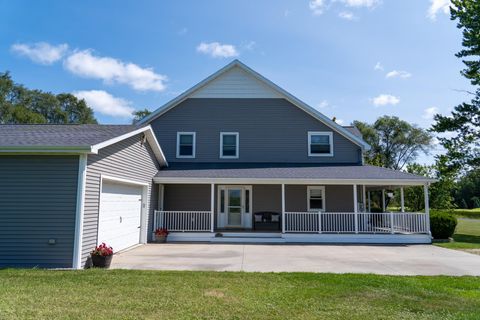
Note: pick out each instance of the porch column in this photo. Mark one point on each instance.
(427, 207)
(383, 200)
(212, 206)
(355, 207)
(283, 208)
(402, 200)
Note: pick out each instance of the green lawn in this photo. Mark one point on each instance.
(122, 294)
(467, 235)
(467, 213)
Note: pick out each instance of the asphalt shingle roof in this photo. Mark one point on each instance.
(45, 135)
(289, 172)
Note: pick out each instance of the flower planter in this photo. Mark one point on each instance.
(102, 261)
(159, 239)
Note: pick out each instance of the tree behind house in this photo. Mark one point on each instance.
(19, 105)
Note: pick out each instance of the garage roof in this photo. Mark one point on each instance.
(71, 138)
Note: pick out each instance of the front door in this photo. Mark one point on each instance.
(234, 206)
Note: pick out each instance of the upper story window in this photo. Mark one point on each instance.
(229, 145)
(316, 198)
(320, 144)
(185, 144)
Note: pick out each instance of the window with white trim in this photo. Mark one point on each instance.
(229, 145)
(316, 198)
(186, 144)
(320, 144)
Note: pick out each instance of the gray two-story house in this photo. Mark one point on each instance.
(233, 159)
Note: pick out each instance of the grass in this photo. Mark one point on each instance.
(467, 213)
(466, 236)
(128, 294)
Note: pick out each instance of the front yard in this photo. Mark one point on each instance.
(467, 232)
(122, 294)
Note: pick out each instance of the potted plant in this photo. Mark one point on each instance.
(161, 235)
(102, 256)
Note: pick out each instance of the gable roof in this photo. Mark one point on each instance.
(283, 93)
(70, 138)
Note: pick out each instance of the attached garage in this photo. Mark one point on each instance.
(120, 215)
(66, 188)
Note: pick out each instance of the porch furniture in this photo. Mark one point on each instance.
(267, 221)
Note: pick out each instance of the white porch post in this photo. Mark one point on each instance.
(283, 208)
(383, 200)
(402, 200)
(364, 198)
(427, 207)
(212, 206)
(355, 207)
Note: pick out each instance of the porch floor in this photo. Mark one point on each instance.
(393, 260)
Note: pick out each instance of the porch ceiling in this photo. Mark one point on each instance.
(348, 174)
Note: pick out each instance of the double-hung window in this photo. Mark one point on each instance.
(316, 198)
(320, 144)
(229, 145)
(185, 144)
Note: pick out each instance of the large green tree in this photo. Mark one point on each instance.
(463, 143)
(19, 105)
(394, 142)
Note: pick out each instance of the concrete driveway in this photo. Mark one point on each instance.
(393, 260)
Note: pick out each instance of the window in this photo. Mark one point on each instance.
(185, 144)
(320, 144)
(229, 145)
(316, 198)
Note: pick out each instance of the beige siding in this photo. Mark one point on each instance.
(236, 83)
(127, 159)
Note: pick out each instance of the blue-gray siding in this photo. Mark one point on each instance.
(270, 130)
(127, 159)
(37, 203)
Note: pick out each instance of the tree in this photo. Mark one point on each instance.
(467, 193)
(440, 192)
(21, 105)
(394, 142)
(463, 149)
(140, 114)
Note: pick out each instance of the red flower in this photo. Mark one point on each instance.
(161, 232)
(102, 250)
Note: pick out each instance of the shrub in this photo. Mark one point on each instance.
(442, 224)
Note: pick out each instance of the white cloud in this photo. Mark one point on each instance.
(323, 104)
(317, 6)
(103, 102)
(110, 70)
(347, 15)
(41, 52)
(378, 67)
(362, 3)
(429, 113)
(385, 99)
(436, 6)
(218, 50)
(398, 74)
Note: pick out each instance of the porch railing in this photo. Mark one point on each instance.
(182, 220)
(361, 222)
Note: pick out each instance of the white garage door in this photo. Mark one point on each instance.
(120, 212)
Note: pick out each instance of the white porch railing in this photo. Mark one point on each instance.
(182, 220)
(361, 222)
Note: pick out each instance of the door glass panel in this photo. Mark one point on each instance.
(234, 211)
(247, 201)
(222, 201)
(234, 197)
(235, 216)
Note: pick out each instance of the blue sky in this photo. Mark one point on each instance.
(352, 59)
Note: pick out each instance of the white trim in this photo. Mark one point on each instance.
(212, 207)
(320, 133)
(80, 211)
(322, 189)
(402, 200)
(355, 199)
(194, 144)
(376, 182)
(143, 213)
(289, 97)
(157, 150)
(383, 201)
(283, 208)
(237, 142)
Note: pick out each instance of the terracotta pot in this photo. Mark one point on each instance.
(160, 239)
(102, 261)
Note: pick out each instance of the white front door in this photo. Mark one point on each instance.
(235, 203)
(235, 207)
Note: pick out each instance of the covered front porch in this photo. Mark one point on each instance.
(287, 212)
